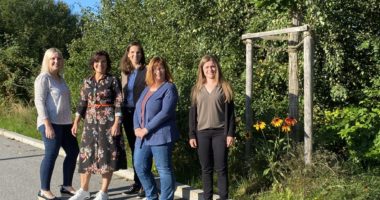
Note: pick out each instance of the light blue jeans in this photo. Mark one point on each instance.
(162, 155)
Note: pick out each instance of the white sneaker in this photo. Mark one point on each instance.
(101, 196)
(80, 195)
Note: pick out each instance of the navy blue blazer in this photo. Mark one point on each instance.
(159, 117)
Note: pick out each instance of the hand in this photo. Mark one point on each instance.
(115, 130)
(49, 131)
(141, 132)
(74, 129)
(137, 131)
(230, 141)
(193, 143)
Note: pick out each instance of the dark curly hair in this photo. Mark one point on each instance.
(96, 58)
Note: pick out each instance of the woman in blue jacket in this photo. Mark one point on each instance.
(155, 129)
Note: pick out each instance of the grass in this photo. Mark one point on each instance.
(329, 177)
(19, 118)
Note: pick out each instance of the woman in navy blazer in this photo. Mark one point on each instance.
(154, 122)
(133, 73)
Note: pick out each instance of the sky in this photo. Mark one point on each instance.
(76, 5)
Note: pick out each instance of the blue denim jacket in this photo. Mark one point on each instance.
(159, 117)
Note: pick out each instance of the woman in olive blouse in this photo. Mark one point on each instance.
(212, 124)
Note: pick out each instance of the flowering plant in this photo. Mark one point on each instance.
(278, 122)
(275, 143)
(282, 125)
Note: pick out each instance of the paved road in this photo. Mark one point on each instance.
(19, 174)
(20, 159)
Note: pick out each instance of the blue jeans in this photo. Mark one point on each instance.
(130, 133)
(162, 155)
(68, 142)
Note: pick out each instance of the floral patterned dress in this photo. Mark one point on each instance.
(99, 102)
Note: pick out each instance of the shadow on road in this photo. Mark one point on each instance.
(21, 157)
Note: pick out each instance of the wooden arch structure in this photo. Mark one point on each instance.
(308, 79)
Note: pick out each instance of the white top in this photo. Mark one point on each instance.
(52, 100)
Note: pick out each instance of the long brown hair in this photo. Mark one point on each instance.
(126, 64)
(155, 62)
(201, 80)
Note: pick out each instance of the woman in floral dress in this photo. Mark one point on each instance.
(102, 146)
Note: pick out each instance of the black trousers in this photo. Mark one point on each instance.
(131, 137)
(212, 152)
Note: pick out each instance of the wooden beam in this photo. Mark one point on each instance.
(275, 32)
(274, 37)
(308, 96)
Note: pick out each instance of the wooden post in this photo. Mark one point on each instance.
(293, 75)
(248, 96)
(308, 96)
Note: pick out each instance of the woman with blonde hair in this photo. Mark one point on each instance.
(212, 124)
(52, 100)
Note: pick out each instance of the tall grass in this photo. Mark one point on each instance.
(329, 177)
(18, 117)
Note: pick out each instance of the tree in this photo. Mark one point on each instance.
(27, 29)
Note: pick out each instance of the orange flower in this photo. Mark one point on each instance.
(285, 128)
(276, 122)
(290, 121)
(260, 125)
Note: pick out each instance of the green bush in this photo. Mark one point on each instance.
(354, 131)
(358, 127)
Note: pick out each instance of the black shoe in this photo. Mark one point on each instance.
(133, 189)
(64, 191)
(41, 196)
(141, 193)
